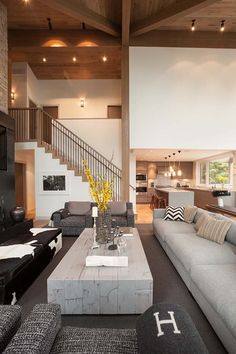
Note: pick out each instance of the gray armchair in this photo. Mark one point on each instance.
(122, 213)
(74, 218)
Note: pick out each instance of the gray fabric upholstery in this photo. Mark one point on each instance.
(78, 208)
(159, 213)
(117, 208)
(193, 250)
(124, 214)
(163, 227)
(96, 341)
(38, 332)
(213, 282)
(74, 222)
(10, 320)
(196, 259)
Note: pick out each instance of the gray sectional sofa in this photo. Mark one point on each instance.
(207, 268)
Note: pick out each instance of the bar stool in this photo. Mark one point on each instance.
(153, 203)
(160, 202)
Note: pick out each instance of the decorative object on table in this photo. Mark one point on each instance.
(94, 215)
(17, 214)
(127, 231)
(114, 234)
(220, 201)
(101, 192)
(121, 244)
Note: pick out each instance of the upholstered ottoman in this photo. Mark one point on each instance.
(168, 329)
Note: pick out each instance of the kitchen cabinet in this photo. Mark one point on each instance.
(152, 170)
(141, 166)
(187, 170)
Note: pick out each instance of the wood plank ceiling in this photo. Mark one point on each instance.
(88, 30)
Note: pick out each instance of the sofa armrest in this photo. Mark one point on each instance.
(10, 320)
(89, 219)
(158, 213)
(37, 334)
(130, 217)
(58, 215)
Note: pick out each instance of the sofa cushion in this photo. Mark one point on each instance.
(118, 208)
(177, 336)
(37, 334)
(202, 220)
(95, 340)
(192, 250)
(163, 227)
(189, 213)
(174, 213)
(214, 230)
(200, 212)
(218, 286)
(231, 234)
(10, 319)
(79, 208)
(76, 220)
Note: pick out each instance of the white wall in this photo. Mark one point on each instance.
(47, 203)
(19, 85)
(98, 94)
(104, 135)
(183, 97)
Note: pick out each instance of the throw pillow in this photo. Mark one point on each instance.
(174, 213)
(202, 220)
(168, 328)
(189, 214)
(214, 230)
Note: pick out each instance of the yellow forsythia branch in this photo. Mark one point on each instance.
(100, 190)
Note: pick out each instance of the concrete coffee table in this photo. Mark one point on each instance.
(101, 290)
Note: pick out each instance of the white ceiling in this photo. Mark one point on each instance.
(184, 155)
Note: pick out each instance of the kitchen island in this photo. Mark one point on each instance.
(176, 197)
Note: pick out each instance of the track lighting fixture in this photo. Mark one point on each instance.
(193, 25)
(222, 26)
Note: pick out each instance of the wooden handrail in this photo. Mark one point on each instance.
(36, 124)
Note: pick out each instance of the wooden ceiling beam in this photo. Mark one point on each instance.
(169, 14)
(188, 39)
(70, 38)
(83, 14)
(126, 12)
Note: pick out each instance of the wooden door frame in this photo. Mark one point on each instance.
(52, 105)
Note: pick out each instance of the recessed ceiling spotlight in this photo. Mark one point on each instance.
(193, 25)
(104, 58)
(74, 59)
(222, 26)
(44, 60)
(26, 1)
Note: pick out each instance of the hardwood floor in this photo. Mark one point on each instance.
(144, 214)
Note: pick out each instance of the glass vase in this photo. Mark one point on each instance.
(103, 225)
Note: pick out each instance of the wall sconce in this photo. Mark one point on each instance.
(13, 95)
(82, 102)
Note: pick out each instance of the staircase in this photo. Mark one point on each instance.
(33, 124)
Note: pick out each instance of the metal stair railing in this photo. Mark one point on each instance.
(34, 124)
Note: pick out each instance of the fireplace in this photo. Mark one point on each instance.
(7, 164)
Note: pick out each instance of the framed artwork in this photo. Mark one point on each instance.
(52, 182)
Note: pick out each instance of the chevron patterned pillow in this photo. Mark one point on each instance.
(174, 213)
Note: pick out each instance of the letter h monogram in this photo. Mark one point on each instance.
(171, 320)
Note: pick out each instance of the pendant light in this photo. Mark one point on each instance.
(179, 172)
(166, 172)
(173, 171)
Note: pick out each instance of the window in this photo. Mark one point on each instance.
(219, 172)
(215, 172)
(203, 173)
